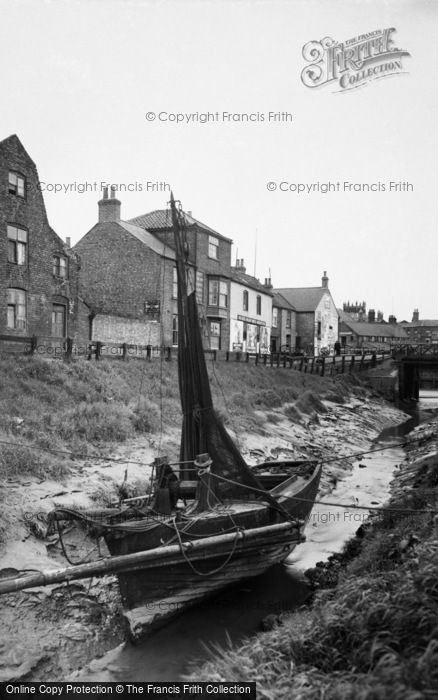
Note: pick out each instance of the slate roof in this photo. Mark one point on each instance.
(161, 219)
(148, 239)
(387, 330)
(281, 302)
(302, 298)
(422, 323)
(248, 281)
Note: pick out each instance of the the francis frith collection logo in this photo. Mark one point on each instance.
(352, 63)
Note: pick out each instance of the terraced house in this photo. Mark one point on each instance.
(250, 311)
(128, 277)
(38, 271)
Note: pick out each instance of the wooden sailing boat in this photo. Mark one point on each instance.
(237, 521)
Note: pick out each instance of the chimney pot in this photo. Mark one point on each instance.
(109, 209)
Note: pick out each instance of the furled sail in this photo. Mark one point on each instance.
(202, 430)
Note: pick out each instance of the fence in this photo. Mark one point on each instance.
(66, 349)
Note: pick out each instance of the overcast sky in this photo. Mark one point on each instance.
(79, 76)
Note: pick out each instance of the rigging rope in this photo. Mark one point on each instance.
(239, 535)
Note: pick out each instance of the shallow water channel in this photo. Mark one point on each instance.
(168, 653)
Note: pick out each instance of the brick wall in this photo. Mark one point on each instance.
(306, 329)
(119, 274)
(35, 277)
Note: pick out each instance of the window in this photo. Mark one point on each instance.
(213, 247)
(258, 305)
(17, 244)
(58, 320)
(16, 184)
(175, 284)
(60, 266)
(288, 319)
(218, 293)
(245, 300)
(215, 335)
(318, 330)
(200, 287)
(275, 317)
(175, 330)
(213, 292)
(223, 295)
(16, 309)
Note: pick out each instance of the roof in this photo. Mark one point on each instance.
(148, 239)
(281, 302)
(420, 324)
(303, 298)
(249, 281)
(387, 330)
(161, 219)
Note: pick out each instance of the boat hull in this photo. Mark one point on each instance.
(152, 598)
(154, 595)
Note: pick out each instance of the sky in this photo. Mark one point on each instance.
(81, 78)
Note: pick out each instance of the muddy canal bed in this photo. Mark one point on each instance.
(52, 632)
(241, 611)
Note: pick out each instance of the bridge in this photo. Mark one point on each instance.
(418, 367)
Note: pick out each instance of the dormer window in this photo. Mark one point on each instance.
(17, 245)
(16, 184)
(60, 266)
(213, 247)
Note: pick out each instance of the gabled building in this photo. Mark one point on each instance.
(250, 312)
(421, 330)
(284, 324)
(316, 316)
(127, 280)
(38, 271)
(128, 277)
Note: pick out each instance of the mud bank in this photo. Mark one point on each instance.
(371, 631)
(50, 632)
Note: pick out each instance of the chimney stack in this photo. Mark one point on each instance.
(325, 280)
(240, 265)
(109, 207)
(68, 241)
(392, 320)
(415, 316)
(371, 316)
(268, 283)
(380, 317)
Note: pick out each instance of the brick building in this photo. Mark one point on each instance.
(284, 324)
(38, 272)
(127, 280)
(316, 316)
(421, 330)
(250, 312)
(128, 277)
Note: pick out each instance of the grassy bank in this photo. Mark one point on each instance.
(82, 406)
(375, 635)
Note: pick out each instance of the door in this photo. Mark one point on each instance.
(215, 335)
(58, 321)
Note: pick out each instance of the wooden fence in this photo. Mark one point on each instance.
(67, 349)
